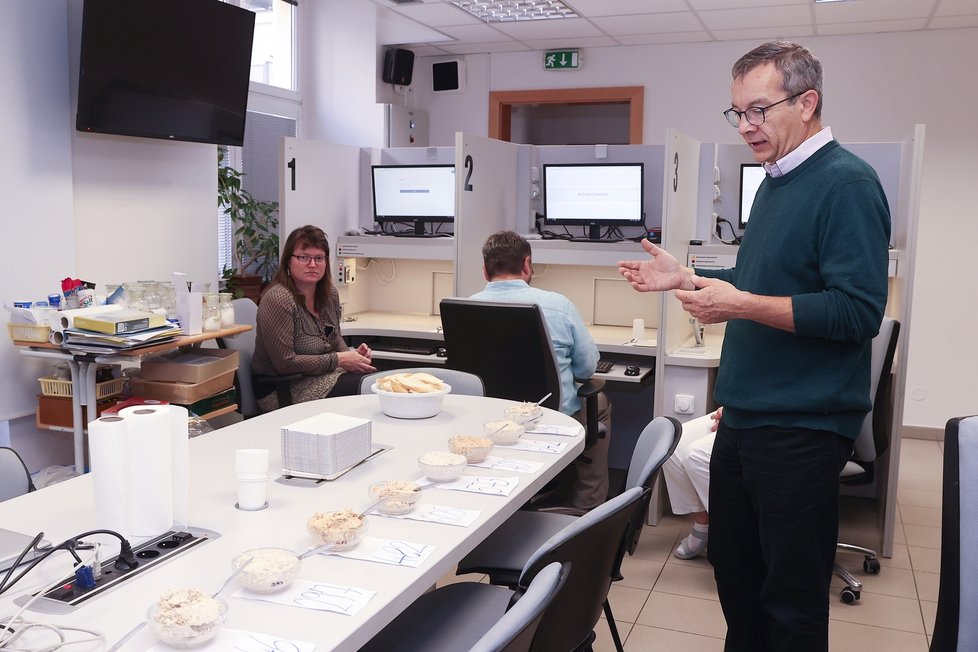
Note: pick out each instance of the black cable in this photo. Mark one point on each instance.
(736, 238)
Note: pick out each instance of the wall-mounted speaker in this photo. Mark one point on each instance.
(398, 66)
(448, 76)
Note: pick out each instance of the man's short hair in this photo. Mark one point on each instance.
(800, 69)
(504, 253)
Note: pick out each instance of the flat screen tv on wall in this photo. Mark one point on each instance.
(170, 69)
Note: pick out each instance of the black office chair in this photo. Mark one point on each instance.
(872, 443)
(957, 598)
(15, 479)
(509, 347)
(473, 616)
(503, 554)
(249, 386)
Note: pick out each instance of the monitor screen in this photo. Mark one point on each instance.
(415, 194)
(593, 195)
(751, 175)
(176, 70)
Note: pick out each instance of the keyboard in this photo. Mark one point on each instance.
(604, 366)
(415, 347)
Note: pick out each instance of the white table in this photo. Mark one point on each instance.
(65, 509)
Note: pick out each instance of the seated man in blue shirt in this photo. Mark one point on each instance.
(508, 268)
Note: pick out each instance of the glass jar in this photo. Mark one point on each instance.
(136, 297)
(227, 310)
(168, 299)
(151, 290)
(212, 313)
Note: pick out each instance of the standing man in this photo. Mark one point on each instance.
(508, 269)
(802, 305)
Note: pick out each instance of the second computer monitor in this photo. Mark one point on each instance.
(751, 176)
(595, 196)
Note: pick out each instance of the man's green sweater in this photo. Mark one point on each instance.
(819, 235)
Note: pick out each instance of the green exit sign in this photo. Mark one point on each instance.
(562, 60)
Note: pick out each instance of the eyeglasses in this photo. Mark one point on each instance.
(305, 260)
(754, 114)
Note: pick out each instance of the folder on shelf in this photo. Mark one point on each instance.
(120, 322)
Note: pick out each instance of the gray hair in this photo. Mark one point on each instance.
(800, 69)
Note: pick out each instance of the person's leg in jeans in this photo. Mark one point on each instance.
(774, 581)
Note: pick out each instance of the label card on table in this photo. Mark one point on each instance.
(483, 484)
(389, 551)
(439, 514)
(539, 446)
(508, 464)
(239, 639)
(346, 600)
(549, 429)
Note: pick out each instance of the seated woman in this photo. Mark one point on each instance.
(687, 475)
(298, 329)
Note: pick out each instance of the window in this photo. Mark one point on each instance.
(273, 54)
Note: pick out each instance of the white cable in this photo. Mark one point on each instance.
(378, 274)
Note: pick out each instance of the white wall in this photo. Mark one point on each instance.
(876, 87)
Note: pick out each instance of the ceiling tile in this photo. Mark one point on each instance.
(475, 33)
(543, 29)
(871, 10)
(951, 22)
(751, 18)
(762, 33)
(673, 37)
(435, 14)
(591, 8)
(477, 48)
(393, 28)
(571, 44)
(956, 7)
(422, 50)
(708, 5)
(872, 27)
(649, 23)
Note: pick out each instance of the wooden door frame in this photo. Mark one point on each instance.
(501, 104)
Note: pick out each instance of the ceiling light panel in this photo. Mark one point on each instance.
(511, 11)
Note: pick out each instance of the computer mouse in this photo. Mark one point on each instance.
(632, 370)
(442, 352)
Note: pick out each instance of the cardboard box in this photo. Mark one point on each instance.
(215, 402)
(55, 411)
(182, 393)
(196, 366)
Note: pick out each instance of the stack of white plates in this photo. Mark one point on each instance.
(324, 445)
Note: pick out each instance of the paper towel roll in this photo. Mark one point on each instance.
(107, 450)
(150, 481)
(180, 439)
(58, 321)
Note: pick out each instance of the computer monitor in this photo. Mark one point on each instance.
(594, 196)
(415, 195)
(751, 176)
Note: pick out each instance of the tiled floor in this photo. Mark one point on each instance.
(668, 604)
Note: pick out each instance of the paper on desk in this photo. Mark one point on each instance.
(483, 484)
(508, 464)
(438, 514)
(539, 446)
(245, 641)
(347, 600)
(552, 429)
(396, 552)
(649, 343)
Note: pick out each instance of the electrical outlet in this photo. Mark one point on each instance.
(684, 404)
(347, 271)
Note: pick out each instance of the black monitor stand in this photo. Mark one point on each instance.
(594, 235)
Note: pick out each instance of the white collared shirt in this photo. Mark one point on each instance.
(797, 156)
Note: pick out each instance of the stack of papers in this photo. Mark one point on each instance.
(324, 445)
(83, 340)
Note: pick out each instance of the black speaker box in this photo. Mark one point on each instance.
(398, 66)
(444, 76)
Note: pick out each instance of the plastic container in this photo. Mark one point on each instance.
(505, 432)
(341, 529)
(185, 632)
(51, 386)
(269, 569)
(402, 405)
(227, 309)
(29, 332)
(442, 466)
(524, 413)
(475, 449)
(400, 496)
(212, 313)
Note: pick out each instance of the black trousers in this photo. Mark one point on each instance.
(774, 523)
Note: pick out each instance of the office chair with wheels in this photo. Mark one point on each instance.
(15, 479)
(957, 598)
(871, 444)
(503, 554)
(461, 382)
(248, 385)
(509, 347)
(473, 616)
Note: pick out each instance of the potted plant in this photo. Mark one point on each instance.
(256, 235)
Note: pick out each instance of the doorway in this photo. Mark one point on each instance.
(557, 116)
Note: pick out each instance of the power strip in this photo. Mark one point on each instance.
(69, 596)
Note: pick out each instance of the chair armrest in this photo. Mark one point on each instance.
(280, 384)
(589, 391)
